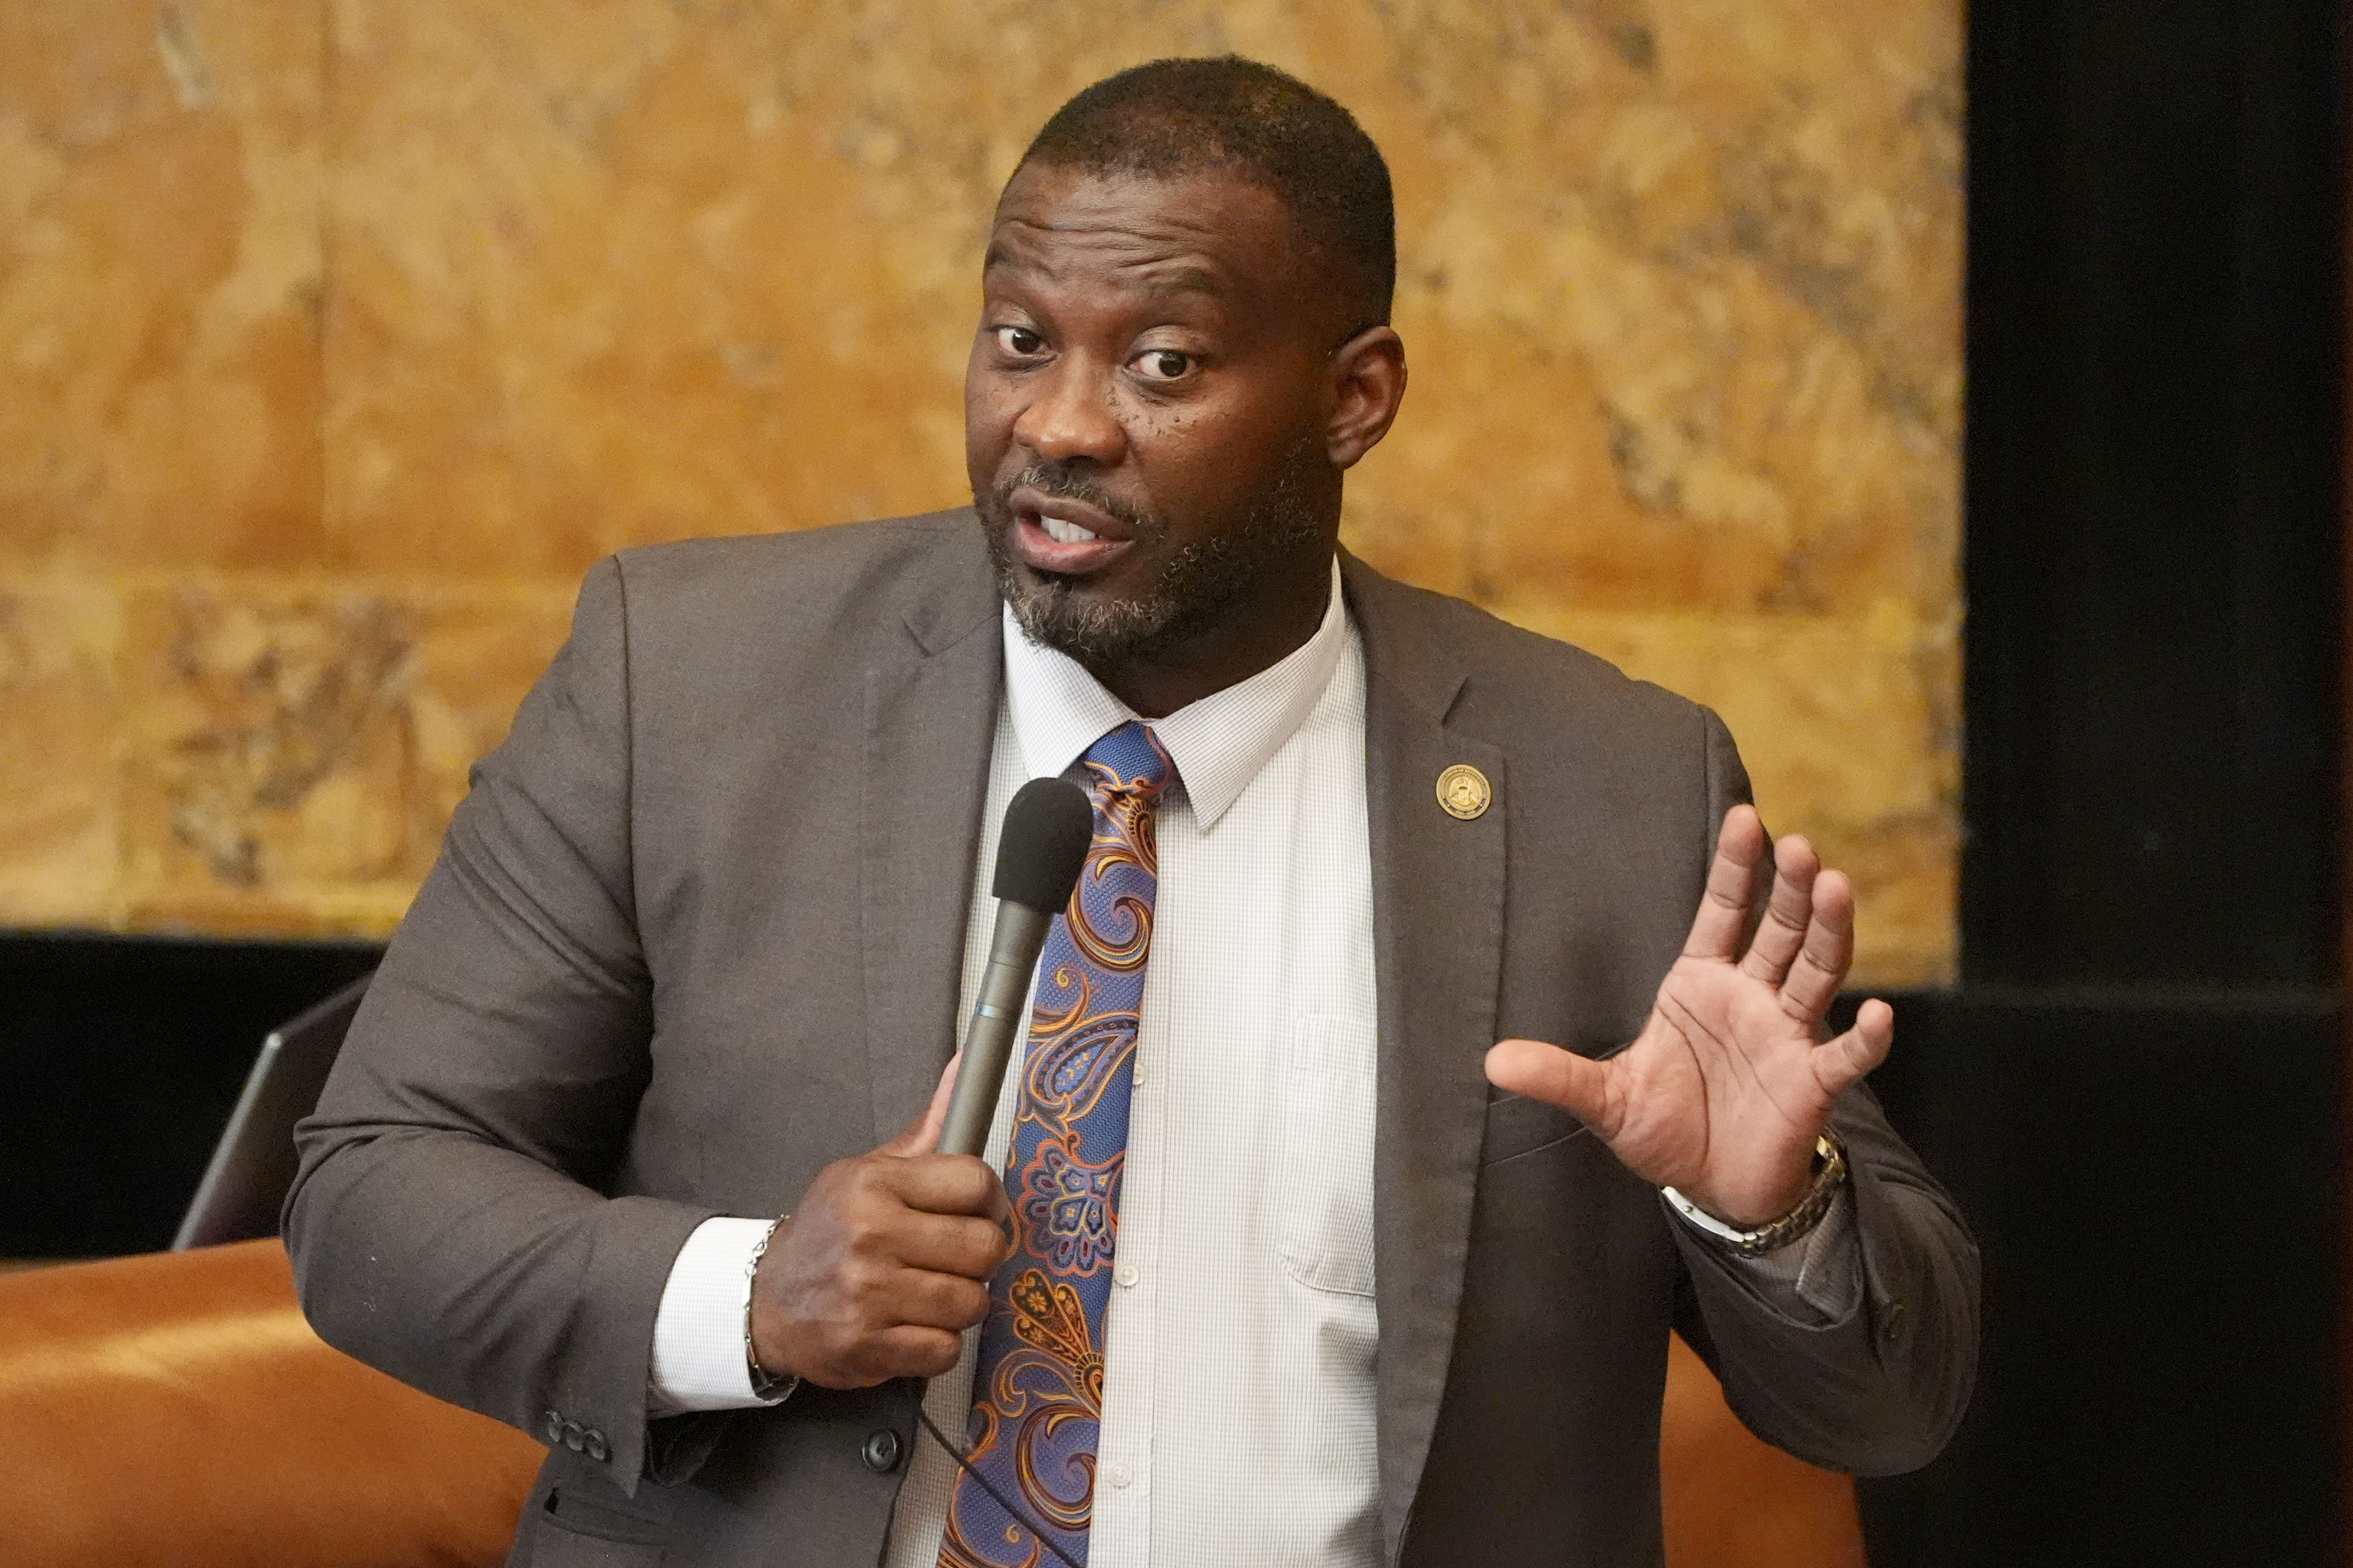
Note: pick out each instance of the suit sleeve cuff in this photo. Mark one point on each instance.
(1818, 1278)
(698, 1352)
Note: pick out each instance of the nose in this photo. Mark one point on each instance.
(1074, 415)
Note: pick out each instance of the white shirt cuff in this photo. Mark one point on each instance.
(698, 1359)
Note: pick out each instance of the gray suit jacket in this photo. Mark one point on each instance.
(696, 933)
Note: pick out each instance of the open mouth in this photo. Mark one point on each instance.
(1063, 533)
(1066, 536)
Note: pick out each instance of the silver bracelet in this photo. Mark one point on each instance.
(766, 1388)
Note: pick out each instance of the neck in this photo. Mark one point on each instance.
(1256, 633)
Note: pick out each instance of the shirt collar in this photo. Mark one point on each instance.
(1218, 744)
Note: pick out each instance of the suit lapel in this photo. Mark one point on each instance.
(1437, 900)
(930, 701)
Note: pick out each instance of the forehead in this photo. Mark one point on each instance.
(1203, 232)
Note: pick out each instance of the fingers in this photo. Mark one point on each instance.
(1841, 1063)
(922, 1136)
(1822, 964)
(946, 1184)
(1782, 934)
(1561, 1077)
(1723, 916)
(943, 1244)
(919, 1336)
(908, 1352)
(885, 1261)
(1805, 943)
(946, 1302)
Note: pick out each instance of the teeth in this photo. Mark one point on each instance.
(1063, 533)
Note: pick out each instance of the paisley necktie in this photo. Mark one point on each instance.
(1038, 1385)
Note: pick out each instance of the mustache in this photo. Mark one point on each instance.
(1070, 484)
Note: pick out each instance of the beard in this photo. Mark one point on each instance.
(1199, 585)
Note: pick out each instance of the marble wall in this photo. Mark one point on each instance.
(337, 339)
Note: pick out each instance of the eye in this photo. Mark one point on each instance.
(1163, 364)
(1019, 342)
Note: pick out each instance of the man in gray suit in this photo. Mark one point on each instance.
(1383, 1289)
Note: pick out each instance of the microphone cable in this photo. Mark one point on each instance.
(1003, 1501)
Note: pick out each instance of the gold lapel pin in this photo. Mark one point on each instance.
(1464, 792)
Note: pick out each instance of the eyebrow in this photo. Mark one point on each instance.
(1187, 278)
(1175, 277)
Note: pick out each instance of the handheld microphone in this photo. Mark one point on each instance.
(1048, 828)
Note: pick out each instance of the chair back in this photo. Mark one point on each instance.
(175, 1410)
(252, 1167)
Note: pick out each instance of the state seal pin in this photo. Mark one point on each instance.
(1463, 791)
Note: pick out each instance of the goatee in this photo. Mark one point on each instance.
(1198, 585)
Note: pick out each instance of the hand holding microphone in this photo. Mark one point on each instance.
(885, 1261)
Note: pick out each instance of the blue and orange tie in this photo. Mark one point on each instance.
(1037, 1406)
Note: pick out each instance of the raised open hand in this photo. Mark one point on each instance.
(1722, 1092)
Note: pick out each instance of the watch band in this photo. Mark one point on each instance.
(767, 1386)
(1829, 1175)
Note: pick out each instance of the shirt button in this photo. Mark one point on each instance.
(1118, 1475)
(1125, 1274)
(1139, 1072)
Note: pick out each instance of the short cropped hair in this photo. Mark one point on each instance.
(1172, 118)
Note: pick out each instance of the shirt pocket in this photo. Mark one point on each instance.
(1326, 1197)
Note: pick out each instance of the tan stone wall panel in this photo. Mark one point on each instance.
(1734, 233)
(297, 752)
(1849, 736)
(337, 340)
(60, 731)
(657, 306)
(159, 283)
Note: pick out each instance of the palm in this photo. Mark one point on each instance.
(1719, 1085)
(1721, 1093)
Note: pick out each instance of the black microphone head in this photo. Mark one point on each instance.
(1047, 830)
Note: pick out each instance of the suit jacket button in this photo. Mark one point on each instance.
(597, 1448)
(575, 1438)
(881, 1452)
(555, 1428)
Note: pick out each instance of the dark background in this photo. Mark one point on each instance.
(2135, 1091)
(2137, 1088)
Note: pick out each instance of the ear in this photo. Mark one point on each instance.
(1365, 381)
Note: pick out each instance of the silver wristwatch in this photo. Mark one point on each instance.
(1828, 1175)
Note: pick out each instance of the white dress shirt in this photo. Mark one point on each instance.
(1238, 1396)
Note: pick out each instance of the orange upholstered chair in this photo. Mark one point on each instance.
(175, 1411)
